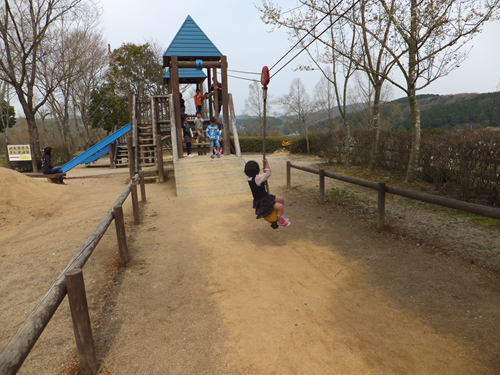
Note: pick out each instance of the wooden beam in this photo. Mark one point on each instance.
(210, 98)
(143, 185)
(237, 147)
(159, 158)
(131, 158)
(225, 108)
(192, 64)
(173, 127)
(174, 84)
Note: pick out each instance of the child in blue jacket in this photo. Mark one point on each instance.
(213, 134)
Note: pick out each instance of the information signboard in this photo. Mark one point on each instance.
(19, 152)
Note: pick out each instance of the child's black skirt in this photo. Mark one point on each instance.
(264, 206)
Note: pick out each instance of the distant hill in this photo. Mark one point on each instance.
(436, 111)
(451, 111)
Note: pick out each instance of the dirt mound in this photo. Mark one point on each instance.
(24, 197)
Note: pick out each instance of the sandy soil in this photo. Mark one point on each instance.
(212, 290)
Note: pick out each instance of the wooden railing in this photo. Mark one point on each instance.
(19, 346)
(383, 188)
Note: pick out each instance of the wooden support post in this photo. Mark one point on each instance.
(210, 98)
(131, 159)
(173, 127)
(112, 148)
(33, 157)
(288, 175)
(143, 186)
(381, 206)
(159, 158)
(135, 204)
(225, 108)
(216, 96)
(7, 160)
(174, 84)
(234, 127)
(121, 236)
(81, 321)
(321, 186)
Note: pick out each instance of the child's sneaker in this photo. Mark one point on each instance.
(213, 157)
(218, 155)
(283, 221)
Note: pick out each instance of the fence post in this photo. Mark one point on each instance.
(381, 206)
(33, 157)
(321, 186)
(143, 186)
(131, 158)
(7, 160)
(135, 203)
(75, 287)
(159, 157)
(288, 175)
(112, 150)
(120, 234)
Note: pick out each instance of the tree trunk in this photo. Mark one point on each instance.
(307, 138)
(415, 139)
(376, 128)
(412, 96)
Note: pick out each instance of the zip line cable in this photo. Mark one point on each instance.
(303, 49)
(246, 79)
(238, 71)
(291, 49)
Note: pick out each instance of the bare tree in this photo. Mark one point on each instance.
(324, 93)
(24, 28)
(93, 69)
(298, 103)
(432, 35)
(328, 39)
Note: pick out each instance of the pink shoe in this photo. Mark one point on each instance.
(284, 222)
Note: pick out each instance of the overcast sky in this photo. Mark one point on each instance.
(237, 31)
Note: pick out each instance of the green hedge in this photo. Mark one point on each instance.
(298, 146)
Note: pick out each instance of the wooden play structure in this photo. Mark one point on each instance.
(156, 123)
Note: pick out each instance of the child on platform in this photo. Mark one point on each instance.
(264, 203)
(187, 134)
(197, 100)
(213, 134)
(198, 126)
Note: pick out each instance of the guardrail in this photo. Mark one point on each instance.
(70, 282)
(383, 188)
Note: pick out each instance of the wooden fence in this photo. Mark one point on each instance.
(70, 282)
(383, 188)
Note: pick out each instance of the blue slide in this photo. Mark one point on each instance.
(88, 156)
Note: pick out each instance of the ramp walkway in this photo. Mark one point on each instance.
(203, 176)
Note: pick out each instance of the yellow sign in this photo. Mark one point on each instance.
(19, 152)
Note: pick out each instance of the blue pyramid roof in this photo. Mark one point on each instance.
(191, 43)
(187, 75)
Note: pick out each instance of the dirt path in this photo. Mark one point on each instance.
(212, 290)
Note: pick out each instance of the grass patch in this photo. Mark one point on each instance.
(3, 161)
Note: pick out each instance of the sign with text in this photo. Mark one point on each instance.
(19, 152)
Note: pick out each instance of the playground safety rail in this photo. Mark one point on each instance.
(20, 345)
(383, 188)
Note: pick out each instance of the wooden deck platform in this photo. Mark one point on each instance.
(203, 176)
